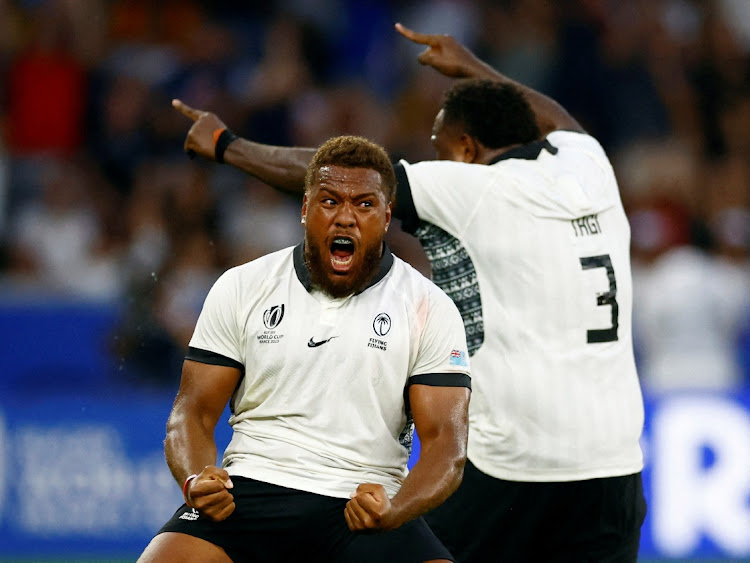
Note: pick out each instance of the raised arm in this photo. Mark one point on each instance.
(441, 420)
(190, 447)
(280, 167)
(451, 58)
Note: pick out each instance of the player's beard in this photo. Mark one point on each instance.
(342, 286)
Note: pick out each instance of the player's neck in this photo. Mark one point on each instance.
(486, 156)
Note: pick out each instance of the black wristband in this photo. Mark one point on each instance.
(224, 140)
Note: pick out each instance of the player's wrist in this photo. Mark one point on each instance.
(186, 490)
(223, 137)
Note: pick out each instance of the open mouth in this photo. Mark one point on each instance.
(342, 254)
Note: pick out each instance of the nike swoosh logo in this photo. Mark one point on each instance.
(312, 344)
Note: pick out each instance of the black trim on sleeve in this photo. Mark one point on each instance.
(435, 380)
(441, 379)
(404, 209)
(212, 358)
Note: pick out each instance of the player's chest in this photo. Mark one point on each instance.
(297, 328)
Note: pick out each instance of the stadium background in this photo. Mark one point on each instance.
(110, 236)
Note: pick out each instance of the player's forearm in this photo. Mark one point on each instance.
(282, 168)
(435, 476)
(189, 447)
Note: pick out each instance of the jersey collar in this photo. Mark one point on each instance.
(303, 273)
(529, 151)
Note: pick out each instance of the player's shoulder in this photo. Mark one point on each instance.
(563, 138)
(406, 275)
(411, 282)
(263, 267)
(445, 169)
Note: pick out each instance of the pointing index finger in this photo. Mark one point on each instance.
(421, 38)
(186, 110)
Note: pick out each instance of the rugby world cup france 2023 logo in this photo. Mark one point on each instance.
(272, 317)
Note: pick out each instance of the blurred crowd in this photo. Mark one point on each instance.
(99, 202)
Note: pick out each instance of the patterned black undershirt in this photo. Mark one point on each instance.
(454, 273)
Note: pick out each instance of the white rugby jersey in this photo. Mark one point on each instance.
(534, 250)
(323, 402)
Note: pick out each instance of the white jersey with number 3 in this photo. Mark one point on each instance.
(542, 278)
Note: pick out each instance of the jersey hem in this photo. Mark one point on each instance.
(557, 476)
(290, 482)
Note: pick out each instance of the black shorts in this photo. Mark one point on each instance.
(276, 524)
(488, 519)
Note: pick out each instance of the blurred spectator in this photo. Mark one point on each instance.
(151, 342)
(117, 137)
(690, 306)
(46, 89)
(605, 72)
(521, 38)
(259, 221)
(149, 242)
(731, 232)
(152, 339)
(175, 253)
(4, 192)
(181, 293)
(720, 72)
(58, 242)
(282, 76)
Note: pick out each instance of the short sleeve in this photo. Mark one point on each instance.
(443, 192)
(443, 358)
(217, 330)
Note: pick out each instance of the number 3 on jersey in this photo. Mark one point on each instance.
(602, 299)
